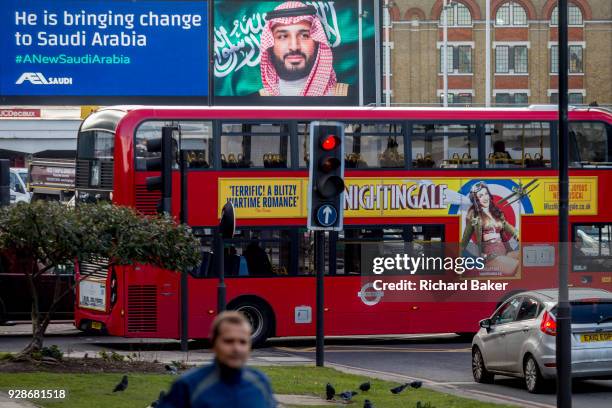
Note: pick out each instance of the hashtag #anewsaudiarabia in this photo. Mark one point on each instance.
(81, 59)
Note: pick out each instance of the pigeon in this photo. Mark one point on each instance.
(365, 386)
(367, 404)
(347, 395)
(122, 386)
(399, 388)
(171, 369)
(330, 391)
(416, 384)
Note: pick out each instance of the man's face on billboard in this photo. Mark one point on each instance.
(294, 50)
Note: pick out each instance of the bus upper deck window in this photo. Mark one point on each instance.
(444, 146)
(517, 145)
(195, 138)
(255, 146)
(379, 145)
(590, 144)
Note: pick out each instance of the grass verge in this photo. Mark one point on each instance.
(95, 390)
(5, 356)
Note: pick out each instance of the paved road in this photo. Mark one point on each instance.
(443, 361)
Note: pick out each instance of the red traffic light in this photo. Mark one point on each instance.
(329, 142)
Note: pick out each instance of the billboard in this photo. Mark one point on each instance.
(406, 197)
(284, 52)
(95, 51)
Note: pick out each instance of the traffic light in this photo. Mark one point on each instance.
(166, 146)
(326, 180)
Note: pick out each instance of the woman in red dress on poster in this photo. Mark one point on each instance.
(487, 227)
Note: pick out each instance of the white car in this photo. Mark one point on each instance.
(17, 185)
(518, 340)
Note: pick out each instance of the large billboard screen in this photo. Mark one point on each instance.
(97, 51)
(281, 52)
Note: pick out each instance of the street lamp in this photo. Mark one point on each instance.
(447, 5)
(387, 49)
(488, 54)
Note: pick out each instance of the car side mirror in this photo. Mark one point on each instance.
(485, 323)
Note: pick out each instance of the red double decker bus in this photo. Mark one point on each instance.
(416, 180)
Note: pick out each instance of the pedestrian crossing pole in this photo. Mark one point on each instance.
(320, 263)
(564, 325)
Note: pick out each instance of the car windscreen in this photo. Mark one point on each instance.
(590, 311)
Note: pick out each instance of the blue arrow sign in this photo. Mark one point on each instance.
(327, 215)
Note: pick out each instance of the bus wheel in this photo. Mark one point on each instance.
(258, 314)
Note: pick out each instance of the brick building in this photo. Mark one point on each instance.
(523, 55)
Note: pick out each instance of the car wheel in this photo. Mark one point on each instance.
(260, 319)
(534, 381)
(480, 372)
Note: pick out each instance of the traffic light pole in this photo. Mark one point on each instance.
(221, 271)
(166, 198)
(184, 273)
(564, 326)
(320, 264)
(325, 206)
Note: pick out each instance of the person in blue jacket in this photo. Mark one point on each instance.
(227, 382)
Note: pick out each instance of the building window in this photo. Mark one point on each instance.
(502, 59)
(521, 99)
(511, 14)
(554, 59)
(575, 59)
(508, 99)
(511, 59)
(457, 99)
(449, 59)
(465, 59)
(520, 59)
(457, 14)
(502, 99)
(573, 98)
(574, 16)
(459, 59)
